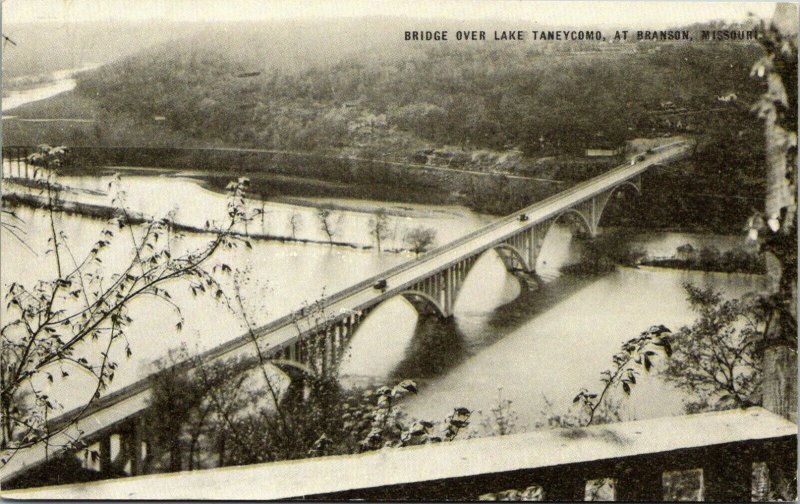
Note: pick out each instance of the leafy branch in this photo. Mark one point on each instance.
(635, 355)
(80, 319)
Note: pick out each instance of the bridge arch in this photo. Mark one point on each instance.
(636, 185)
(514, 262)
(424, 303)
(300, 377)
(608, 197)
(509, 253)
(580, 216)
(293, 368)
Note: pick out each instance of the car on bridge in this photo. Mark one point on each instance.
(637, 159)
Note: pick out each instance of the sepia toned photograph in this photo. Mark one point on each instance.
(416, 250)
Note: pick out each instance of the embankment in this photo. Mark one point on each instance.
(348, 177)
(106, 212)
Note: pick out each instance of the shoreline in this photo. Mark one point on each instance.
(101, 212)
(681, 265)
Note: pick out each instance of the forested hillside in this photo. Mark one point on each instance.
(485, 96)
(355, 88)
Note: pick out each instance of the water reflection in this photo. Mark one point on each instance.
(437, 346)
(541, 346)
(533, 302)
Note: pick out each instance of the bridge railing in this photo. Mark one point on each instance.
(339, 295)
(457, 242)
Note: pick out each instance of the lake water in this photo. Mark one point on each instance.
(533, 348)
(187, 201)
(284, 275)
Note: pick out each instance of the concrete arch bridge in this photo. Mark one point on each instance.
(315, 338)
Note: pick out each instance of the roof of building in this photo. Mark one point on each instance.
(531, 450)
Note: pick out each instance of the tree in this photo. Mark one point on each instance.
(379, 226)
(204, 427)
(503, 419)
(776, 228)
(424, 118)
(13, 225)
(709, 258)
(218, 405)
(716, 360)
(327, 223)
(420, 239)
(78, 321)
(171, 391)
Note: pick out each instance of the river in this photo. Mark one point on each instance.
(58, 82)
(538, 347)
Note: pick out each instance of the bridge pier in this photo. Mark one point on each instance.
(322, 349)
(592, 209)
(140, 448)
(130, 456)
(520, 253)
(436, 295)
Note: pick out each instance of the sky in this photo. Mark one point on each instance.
(653, 14)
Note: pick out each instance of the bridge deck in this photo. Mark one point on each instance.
(362, 295)
(126, 402)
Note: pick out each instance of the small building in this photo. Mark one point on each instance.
(159, 118)
(603, 151)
